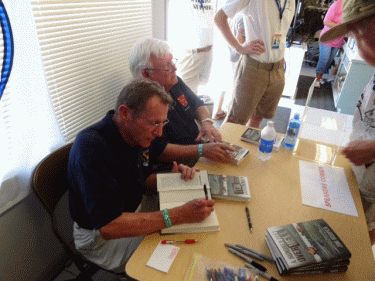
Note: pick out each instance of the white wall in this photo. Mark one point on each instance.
(159, 17)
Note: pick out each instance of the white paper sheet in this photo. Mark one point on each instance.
(326, 187)
(163, 257)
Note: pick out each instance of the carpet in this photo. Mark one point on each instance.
(281, 119)
(321, 98)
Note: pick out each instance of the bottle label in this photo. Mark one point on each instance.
(292, 132)
(266, 146)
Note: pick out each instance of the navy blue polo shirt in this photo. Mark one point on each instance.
(105, 175)
(181, 128)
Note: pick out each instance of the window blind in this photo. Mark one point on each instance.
(84, 47)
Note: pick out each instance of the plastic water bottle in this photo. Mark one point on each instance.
(267, 139)
(292, 132)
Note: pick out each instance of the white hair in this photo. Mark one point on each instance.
(139, 56)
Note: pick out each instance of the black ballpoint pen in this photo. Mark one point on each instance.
(248, 218)
(205, 191)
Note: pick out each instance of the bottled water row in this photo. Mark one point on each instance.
(268, 135)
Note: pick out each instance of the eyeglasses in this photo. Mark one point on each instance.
(171, 68)
(153, 125)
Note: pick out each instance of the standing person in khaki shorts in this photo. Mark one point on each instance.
(259, 77)
(190, 34)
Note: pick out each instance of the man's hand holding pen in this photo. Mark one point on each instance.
(193, 211)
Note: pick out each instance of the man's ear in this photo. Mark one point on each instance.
(146, 74)
(125, 112)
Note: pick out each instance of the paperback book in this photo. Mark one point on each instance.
(229, 187)
(174, 192)
(307, 248)
(238, 155)
(253, 136)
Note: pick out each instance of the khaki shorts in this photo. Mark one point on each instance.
(257, 88)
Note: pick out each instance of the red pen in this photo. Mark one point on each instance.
(187, 241)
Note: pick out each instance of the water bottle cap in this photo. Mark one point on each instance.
(296, 116)
(270, 124)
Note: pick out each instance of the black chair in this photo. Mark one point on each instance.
(49, 182)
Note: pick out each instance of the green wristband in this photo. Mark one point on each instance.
(167, 218)
(200, 149)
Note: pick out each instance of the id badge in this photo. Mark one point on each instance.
(276, 41)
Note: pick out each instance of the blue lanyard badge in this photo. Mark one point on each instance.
(281, 11)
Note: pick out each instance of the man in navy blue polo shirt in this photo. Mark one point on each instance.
(107, 179)
(152, 59)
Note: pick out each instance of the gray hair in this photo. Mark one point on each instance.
(136, 94)
(139, 56)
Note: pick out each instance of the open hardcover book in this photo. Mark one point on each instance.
(174, 192)
(229, 187)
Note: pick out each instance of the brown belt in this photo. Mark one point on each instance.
(199, 50)
(266, 66)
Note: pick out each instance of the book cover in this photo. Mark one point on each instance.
(238, 155)
(324, 267)
(305, 245)
(253, 136)
(229, 187)
(174, 192)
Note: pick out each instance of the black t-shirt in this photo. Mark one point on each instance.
(105, 175)
(181, 128)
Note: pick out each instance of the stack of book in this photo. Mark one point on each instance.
(310, 247)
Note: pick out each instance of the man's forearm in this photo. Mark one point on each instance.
(202, 113)
(221, 21)
(133, 224)
(176, 152)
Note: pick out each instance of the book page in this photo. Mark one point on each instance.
(173, 181)
(181, 196)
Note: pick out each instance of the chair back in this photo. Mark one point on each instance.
(49, 179)
(50, 183)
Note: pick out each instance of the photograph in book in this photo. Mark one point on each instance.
(229, 187)
(308, 243)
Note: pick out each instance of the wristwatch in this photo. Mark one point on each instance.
(208, 120)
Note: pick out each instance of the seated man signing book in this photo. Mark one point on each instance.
(152, 59)
(107, 179)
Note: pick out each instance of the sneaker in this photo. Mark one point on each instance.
(220, 116)
(317, 84)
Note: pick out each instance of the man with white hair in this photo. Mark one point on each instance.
(152, 59)
(359, 22)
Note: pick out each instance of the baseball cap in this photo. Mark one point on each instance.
(353, 11)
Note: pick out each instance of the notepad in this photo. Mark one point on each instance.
(163, 257)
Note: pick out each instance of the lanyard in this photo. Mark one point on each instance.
(281, 11)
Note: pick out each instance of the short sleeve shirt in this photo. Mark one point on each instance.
(181, 128)
(364, 115)
(334, 14)
(105, 175)
(262, 21)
